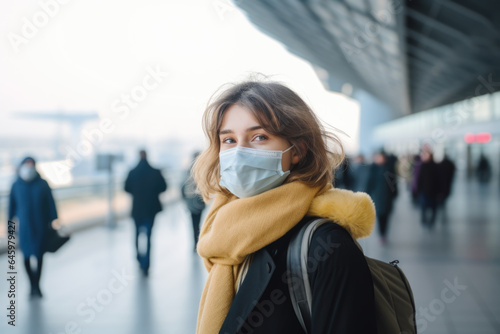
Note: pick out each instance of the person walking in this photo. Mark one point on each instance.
(343, 175)
(483, 169)
(194, 202)
(31, 201)
(428, 188)
(391, 163)
(415, 171)
(145, 184)
(446, 169)
(360, 173)
(380, 187)
(268, 168)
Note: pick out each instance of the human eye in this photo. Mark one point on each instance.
(260, 138)
(228, 140)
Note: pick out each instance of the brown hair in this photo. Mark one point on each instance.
(282, 113)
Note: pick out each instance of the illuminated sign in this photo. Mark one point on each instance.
(482, 137)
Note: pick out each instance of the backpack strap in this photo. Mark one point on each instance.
(298, 278)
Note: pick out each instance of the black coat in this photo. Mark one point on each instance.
(428, 179)
(341, 284)
(446, 170)
(344, 178)
(145, 183)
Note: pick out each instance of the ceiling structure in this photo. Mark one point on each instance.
(413, 55)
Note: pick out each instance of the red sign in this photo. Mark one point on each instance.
(482, 137)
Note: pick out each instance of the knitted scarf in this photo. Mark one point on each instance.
(235, 228)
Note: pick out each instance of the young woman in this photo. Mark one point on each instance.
(267, 167)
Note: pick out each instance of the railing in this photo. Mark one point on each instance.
(88, 190)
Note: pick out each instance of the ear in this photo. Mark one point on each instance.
(296, 157)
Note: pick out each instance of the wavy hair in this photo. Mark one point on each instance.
(281, 112)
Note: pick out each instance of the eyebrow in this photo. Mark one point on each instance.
(253, 128)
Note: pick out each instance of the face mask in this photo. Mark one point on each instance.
(247, 172)
(27, 172)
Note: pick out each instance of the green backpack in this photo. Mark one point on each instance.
(394, 304)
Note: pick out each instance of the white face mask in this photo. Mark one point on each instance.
(247, 172)
(27, 172)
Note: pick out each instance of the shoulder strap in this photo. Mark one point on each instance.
(298, 279)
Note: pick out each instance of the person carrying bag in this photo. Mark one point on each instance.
(267, 169)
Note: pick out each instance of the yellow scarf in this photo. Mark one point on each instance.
(235, 228)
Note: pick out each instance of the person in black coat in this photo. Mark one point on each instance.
(381, 188)
(145, 184)
(446, 170)
(268, 169)
(32, 203)
(391, 162)
(194, 202)
(428, 188)
(344, 178)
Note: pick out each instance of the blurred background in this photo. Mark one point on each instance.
(85, 85)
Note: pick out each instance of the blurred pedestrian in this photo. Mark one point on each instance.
(194, 201)
(343, 177)
(404, 169)
(415, 171)
(381, 189)
(392, 176)
(446, 169)
(483, 169)
(428, 188)
(32, 203)
(145, 184)
(360, 173)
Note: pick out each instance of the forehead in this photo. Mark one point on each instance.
(238, 117)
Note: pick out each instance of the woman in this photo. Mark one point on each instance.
(268, 165)
(32, 202)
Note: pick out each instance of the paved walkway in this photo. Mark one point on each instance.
(94, 284)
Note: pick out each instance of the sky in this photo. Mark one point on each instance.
(147, 67)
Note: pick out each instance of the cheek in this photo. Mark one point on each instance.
(285, 163)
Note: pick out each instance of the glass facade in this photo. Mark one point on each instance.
(444, 120)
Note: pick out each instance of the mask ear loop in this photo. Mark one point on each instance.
(288, 149)
(283, 152)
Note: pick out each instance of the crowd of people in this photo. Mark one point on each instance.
(429, 182)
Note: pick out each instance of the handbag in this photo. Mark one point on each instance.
(53, 240)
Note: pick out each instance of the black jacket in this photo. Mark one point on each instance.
(145, 183)
(428, 179)
(342, 289)
(446, 169)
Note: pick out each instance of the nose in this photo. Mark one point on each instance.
(243, 143)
